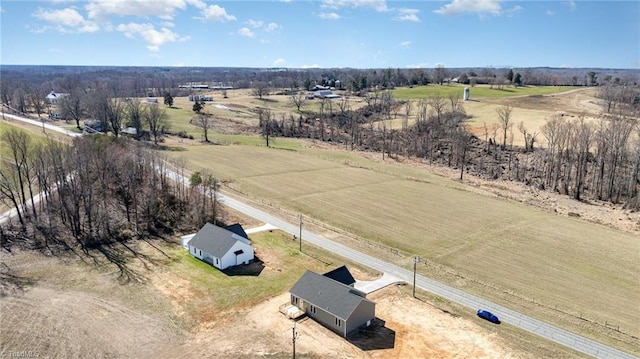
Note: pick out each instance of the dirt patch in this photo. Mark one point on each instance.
(407, 328)
(73, 324)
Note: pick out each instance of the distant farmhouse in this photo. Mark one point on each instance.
(332, 302)
(194, 85)
(221, 247)
(325, 94)
(200, 98)
(54, 98)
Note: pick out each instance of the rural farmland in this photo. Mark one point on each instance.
(569, 263)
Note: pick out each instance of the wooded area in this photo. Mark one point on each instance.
(97, 192)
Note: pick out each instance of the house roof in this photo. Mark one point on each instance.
(237, 229)
(215, 240)
(341, 275)
(332, 296)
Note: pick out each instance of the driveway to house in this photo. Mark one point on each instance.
(506, 315)
(370, 286)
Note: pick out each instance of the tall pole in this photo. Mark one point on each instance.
(416, 259)
(300, 232)
(293, 340)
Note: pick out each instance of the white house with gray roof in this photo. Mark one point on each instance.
(220, 247)
(335, 305)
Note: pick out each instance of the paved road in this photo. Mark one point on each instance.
(40, 124)
(506, 315)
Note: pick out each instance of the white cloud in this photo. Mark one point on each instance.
(65, 20)
(1, 10)
(60, 1)
(165, 9)
(514, 10)
(217, 13)
(405, 44)
(550, 13)
(377, 5)
(168, 24)
(329, 16)
(264, 41)
(279, 62)
(571, 4)
(405, 14)
(314, 66)
(150, 35)
(418, 66)
(471, 6)
(245, 31)
(254, 23)
(272, 26)
(197, 3)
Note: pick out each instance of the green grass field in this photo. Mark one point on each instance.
(223, 292)
(580, 268)
(478, 91)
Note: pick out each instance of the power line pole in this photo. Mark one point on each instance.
(416, 259)
(300, 232)
(293, 339)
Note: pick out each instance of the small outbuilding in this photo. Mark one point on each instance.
(337, 306)
(221, 247)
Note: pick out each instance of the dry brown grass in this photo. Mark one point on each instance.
(506, 251)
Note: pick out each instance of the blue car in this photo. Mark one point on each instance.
(487, 315)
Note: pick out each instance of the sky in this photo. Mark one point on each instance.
(322, 33)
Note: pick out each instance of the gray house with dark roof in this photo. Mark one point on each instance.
(335, 305)
(220, 247)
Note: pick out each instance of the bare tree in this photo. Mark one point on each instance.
(581, 141)
(72, 105)
(438, 105)
(115, 115)
(611, 95)
(439, 74)
(206, 122)
(407, 112)
(265, 118)
(260, 89)
(156, 118)
(20, 99)
(298, 100)
(529, 137)
(135, 112)
(504, 119)
(37, 100)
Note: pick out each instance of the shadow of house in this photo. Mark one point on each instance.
(252, 269)
(375, 337)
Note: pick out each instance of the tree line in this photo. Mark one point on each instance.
(584, 159)
(96, 192)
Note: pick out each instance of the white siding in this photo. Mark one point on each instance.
(229, 259)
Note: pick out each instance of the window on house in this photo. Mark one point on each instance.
(338, 322)
(200, 253)
(217, 261)
(312, 309)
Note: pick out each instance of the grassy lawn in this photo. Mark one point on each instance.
(577, 267)
(213, 294)
(478, 91)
